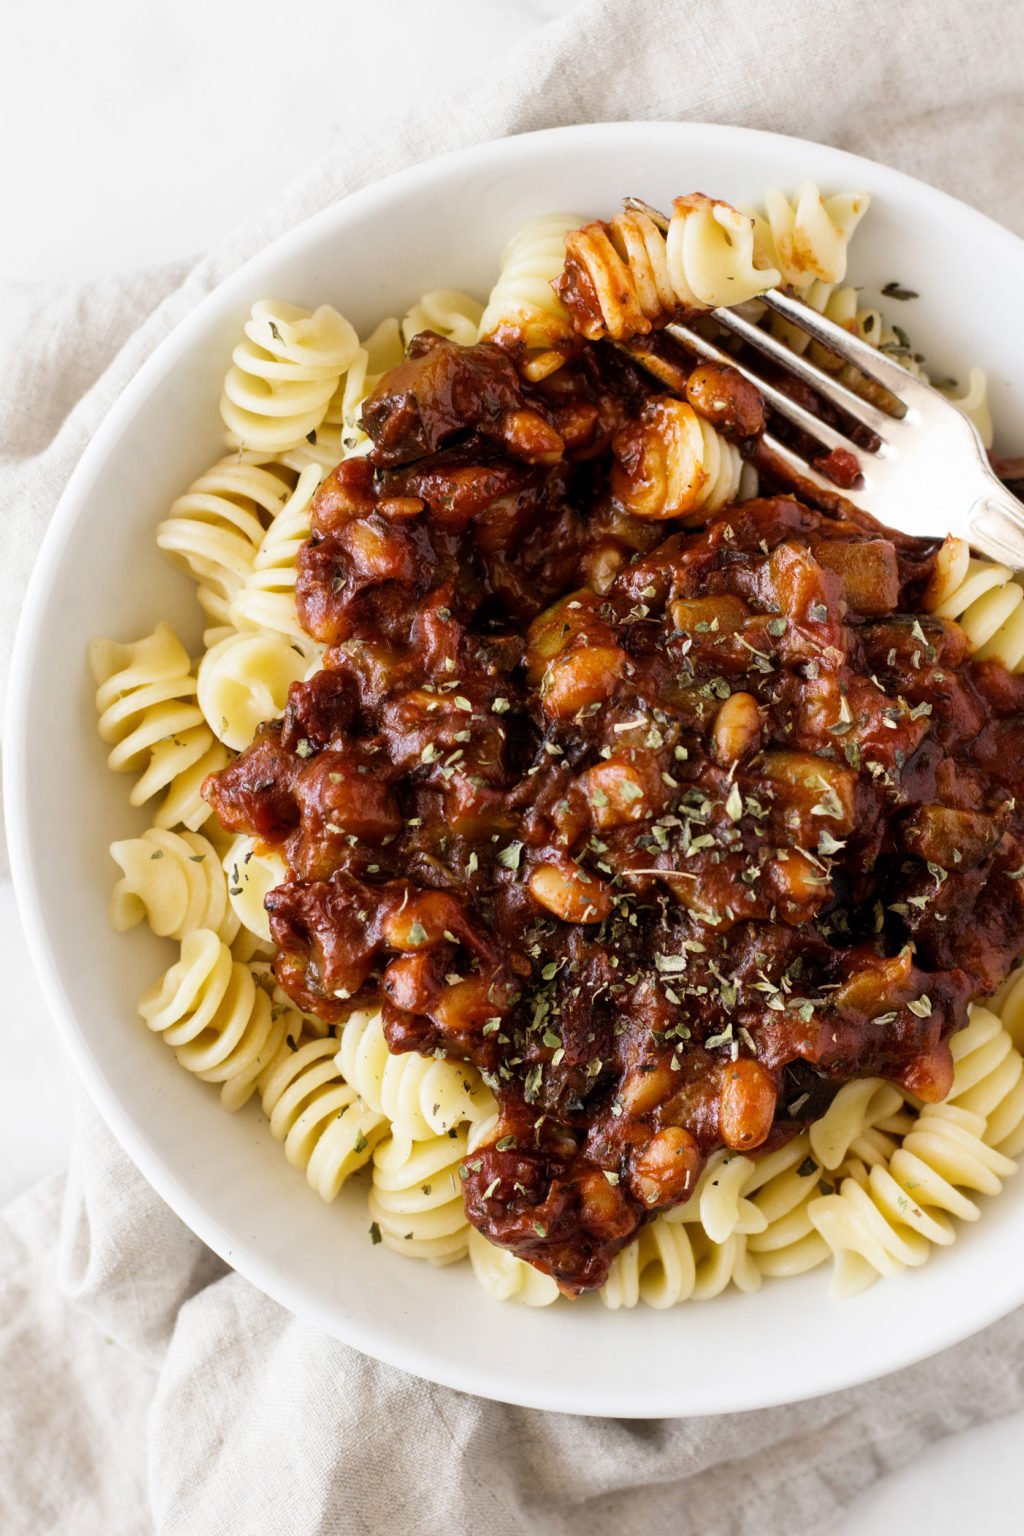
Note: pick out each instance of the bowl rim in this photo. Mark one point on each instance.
(409, 1354)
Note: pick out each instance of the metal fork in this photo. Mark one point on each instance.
(926, 471)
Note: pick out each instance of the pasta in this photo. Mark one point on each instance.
(422, 1097)
(416, 1196)
(806, 237)
(902, 1208)
(671, 462)
(1008, 1003)
(506, 1278)
(523, 307)
(340, 435)
(215, 530)
(250, 872)
(879, 1179)
(988, 1080)
(209, 1010)
(639, 275)
(780, 1187)
(324, 1124)
(447, 312)
(659, 1269)
(173, 880)
(857, 1107)
(284, 375)
(983, 598)
(244, 680)
(147, 709)
(266, 597)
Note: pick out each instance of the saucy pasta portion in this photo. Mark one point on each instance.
(600, 840)
(668, 833)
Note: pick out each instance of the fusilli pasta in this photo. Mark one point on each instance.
(523, 308)
(659, 1269)
(672, 463)
(421, 1096)
(326, 1127)
(891, 1219)
(983, 598)
(173, 880)
(215, 529)
(244, 680)
(209, 1010)
(506, 1278)
(806, 237)
(416, 1196)
(448, 312)
(265, 599)
(1008, 1003)
(640, 275)
(284, 374)
(988, 1080)
(250, 873)
(146, 698)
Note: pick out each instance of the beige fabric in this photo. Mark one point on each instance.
(142, 1386)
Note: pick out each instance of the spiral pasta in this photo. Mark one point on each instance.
(506, 1278)
(672, 463)
(265, 598)
(147, 709)
(244, 680)
(858, 1106)
(983, 598)
(448, 312)
(416, 1197)
(219, 1024)
(173, 880)
(325, 1126)
(891, 1218)
(1008, 1003)
(780, 1187)
(250, 873)
(631, 275)
(215, 529)
(659, 1269)
(806, 237)
(284, 374)
(988, 1079)
(523, 310)
(719, 1202)
(422, 1097)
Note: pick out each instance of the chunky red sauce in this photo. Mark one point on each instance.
(669, 831)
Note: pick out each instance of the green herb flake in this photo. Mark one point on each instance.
(509, 856)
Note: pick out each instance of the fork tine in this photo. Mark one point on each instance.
(891, 375)
(832, 497)
(791, 409)
(816, 378)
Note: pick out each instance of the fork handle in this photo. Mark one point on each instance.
(996, 523)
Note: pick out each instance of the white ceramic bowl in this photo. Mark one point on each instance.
(99, 572)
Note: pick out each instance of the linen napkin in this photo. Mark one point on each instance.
(144, 1387)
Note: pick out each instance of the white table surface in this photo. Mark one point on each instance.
(143, 133)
